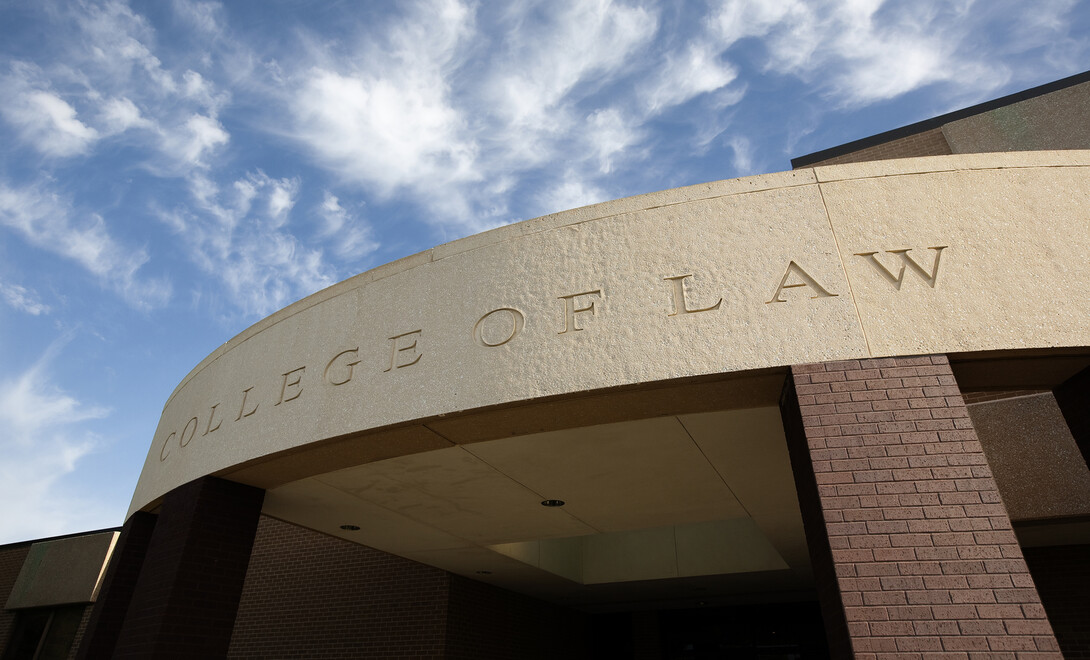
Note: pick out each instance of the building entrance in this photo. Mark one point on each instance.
(764, 631)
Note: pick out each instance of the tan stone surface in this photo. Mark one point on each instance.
(63, 571)
(1012, 276)
(1038, 467)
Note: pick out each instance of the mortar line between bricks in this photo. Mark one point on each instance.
(844, 267)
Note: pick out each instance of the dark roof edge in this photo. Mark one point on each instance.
(936, 122)
(14, 544)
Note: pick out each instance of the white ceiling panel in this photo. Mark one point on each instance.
(616, 477)
(452, 490)
(647, 502)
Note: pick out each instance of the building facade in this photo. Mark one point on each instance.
(837, 411)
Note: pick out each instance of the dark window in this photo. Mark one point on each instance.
(44, 633)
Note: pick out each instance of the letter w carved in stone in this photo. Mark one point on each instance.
(906, 262)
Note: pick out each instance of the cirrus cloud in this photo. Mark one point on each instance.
(42, 444)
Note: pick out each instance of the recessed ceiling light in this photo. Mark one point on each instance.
(350, 528)
(552, 503)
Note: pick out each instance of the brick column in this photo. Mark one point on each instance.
(187, 595)
(115, 595)
(912, 548)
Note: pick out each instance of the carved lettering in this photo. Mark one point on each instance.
(211, 417)
(681, 305)
(397, 347)
(291, 382)
(349, 366)
(242, 410)
(182, 442)
(570, 309)
(906, 261)
(804, 279)
(502, 325)
(166, 443)
(517, 321)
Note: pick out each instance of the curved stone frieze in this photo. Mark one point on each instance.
(945, 254)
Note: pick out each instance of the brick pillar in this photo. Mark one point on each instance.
(187, 595)
(115, 595)
(912, 548)
(1073, 397)
(817, 533)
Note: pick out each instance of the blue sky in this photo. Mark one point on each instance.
(171, 172)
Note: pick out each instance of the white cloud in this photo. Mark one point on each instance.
(382, 115)
(58, 130)
(106, 80)
(610, 132)
(29, 404)
(1045, 25)
(188, 144)
(387, 130)
(205, 16)
(238, 235)
(117, 41)
(42, 443)
(865, 51)
(573, 41)
(413, 110)
(42, 118)
(685, 75)
(738, 19)
(199, 90)
(118, 115)
(22, 299)
(348, 236)
(743, 155)
(535, 93)
(571, 192)
(473, 110)
(46, 221)
(282, 199)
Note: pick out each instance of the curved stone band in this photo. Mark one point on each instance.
(929, 255)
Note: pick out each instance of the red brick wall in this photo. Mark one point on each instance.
(802, 453)
(11, 562)
(927, 143)
(924, 556)
(72, 654)
(188, 591)
(308, 595)
(108, 614)
(1062, 575)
